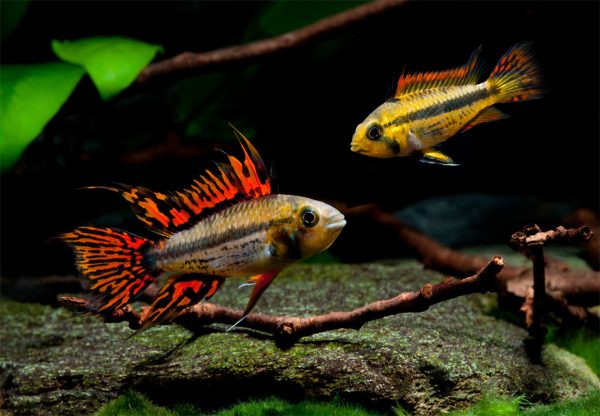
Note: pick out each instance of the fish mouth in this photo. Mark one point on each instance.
(336, 223)
(356, 148)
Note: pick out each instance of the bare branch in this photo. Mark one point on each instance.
(289, 329)
(189, 61)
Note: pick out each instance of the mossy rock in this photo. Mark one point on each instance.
(439, 360)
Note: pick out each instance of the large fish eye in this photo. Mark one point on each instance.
(374, 132)
(309, 217)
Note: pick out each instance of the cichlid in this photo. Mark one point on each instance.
(226, 224)
(428, 108)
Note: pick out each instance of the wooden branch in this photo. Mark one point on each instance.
(531, 242)
(189, 61)
(580, 288)
(287, 330)
(585, 216)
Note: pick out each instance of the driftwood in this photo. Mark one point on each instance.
(531, 242)
(568, 292)
(189, 61)
(289, 329)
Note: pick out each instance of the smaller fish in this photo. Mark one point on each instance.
(430, 107)
(227, 223)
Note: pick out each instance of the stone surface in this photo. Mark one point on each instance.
(442, 359)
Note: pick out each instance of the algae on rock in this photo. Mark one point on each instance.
(438, 360)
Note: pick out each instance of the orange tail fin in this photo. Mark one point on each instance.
(114, 263)
(516, 77)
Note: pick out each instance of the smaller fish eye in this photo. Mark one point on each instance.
(374, 132)
(309, 218)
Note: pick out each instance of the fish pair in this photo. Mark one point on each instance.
(228, 222)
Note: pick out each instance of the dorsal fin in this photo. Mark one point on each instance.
(223, 186)
(463, 75)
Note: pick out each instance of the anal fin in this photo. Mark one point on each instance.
(179, 293)
(435, 157)
(485, 116)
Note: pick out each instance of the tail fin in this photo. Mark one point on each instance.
(516, 77)
(114, 263)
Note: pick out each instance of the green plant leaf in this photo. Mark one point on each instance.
(30, 95)
(113, 63)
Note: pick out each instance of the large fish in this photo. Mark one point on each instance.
(429, 108)
(227, 223)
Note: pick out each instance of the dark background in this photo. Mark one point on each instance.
(300, 109)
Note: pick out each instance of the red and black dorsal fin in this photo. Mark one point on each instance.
(463, 75)
(167, 213)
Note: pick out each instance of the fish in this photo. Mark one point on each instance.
(228, 223)
(428, 108)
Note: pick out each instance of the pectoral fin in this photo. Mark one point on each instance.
(436, 157)
(262, 283)
(486, 116)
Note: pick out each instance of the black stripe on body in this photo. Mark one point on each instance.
(442, 107)
(212, 241)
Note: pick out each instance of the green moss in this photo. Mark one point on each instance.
(582, 342)
(588, 405)
(133, 403)
(273, 407)
(495, 405)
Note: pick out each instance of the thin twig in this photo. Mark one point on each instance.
(189, 61)
(287, 329)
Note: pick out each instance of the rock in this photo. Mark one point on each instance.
(464, 219)
(438, 360)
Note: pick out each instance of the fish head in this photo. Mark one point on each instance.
(312, 228)
(377, 136)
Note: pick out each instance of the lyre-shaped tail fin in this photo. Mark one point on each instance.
(115, 264)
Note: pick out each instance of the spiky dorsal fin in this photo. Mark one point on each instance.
(463, 75)
(167, 213)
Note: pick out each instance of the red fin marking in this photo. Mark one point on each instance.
(464, 75)
(262, 283)
(167, 213)
(516, 77)
(114, 264)
(179, 293)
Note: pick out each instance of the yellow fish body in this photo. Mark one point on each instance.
(429, 108)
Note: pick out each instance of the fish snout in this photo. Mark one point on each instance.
(337, 222)
(355, 145)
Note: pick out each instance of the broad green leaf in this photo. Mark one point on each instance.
(30, 95)
(11, 13)
(113, 63)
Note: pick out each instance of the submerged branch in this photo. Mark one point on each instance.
(579, 287)
(189, 61)
(287, 330)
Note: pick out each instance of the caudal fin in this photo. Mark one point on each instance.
(114, 264)
(516, 77)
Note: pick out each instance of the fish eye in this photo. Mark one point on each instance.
(374, 132)
(309, 217)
